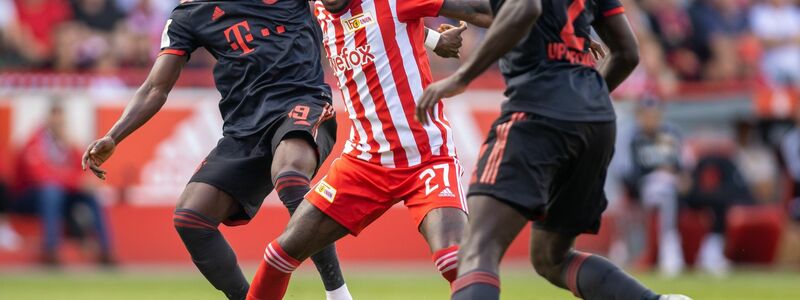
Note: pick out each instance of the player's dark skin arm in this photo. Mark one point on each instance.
(145, 104)
(476, 12)
(616, 32)
(513, 22)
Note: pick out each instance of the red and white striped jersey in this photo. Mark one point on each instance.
(376, 51)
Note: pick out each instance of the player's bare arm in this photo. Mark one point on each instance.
(476, 12)
(514, 20)
(145, 104)
(616, 32)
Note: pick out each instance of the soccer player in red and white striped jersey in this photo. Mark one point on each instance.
(376, 49)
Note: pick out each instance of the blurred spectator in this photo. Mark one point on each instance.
(673, 28)
(757, 162)
(51, 181)
(791, 156)
(99, 15)
(719, 27)
(718, 185)
(655, 179)
(653, 75)
(777, 24)
(31, 34)
(136, 40)
(8, 21)
(9, 240)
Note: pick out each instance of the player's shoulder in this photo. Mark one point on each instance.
(184, 9)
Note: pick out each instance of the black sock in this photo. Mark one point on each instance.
(292, 187)
(593, 277)
(211, 253)
(476, 285)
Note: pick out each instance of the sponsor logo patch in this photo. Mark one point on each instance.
(357, 22)
(325, 190)
(347, 58)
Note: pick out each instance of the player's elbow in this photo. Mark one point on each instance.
(483, 20)
(531, 10)
(154, 91)
(629, 58)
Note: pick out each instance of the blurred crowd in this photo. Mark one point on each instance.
(681, 40)
(81, 35)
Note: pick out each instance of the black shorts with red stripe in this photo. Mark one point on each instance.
(240, 166)
(551, 171)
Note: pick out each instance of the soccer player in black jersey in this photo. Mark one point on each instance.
(545, 159)
(278, 124)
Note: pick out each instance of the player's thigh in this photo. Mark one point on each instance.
(493, 225)
(304, 138)
(208, 201)
(296, 154)
(308, 231)
(443, 227)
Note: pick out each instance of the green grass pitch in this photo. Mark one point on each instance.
(365, 284)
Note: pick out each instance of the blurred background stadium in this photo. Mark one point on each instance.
(717, 92)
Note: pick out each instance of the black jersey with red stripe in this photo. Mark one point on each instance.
(267, 52)
(551, 71)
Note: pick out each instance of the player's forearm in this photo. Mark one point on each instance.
(513, 22)
(150, 97)
(476, 12)
(147, 101)
(618, 67)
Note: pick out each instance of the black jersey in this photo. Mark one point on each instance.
(551, 71)
(267, 51)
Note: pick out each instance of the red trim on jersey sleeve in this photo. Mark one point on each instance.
(172, 52)
(614, 11)
(417, 9)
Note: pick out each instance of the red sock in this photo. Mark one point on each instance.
(272, 277)
(446, 261)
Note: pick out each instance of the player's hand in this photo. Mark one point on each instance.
(597, 50)
(450, 42)
(96, 154)
(444, 88)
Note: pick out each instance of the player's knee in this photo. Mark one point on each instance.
(188, 222)
(547, 264)
(476, 253)
(294, 154)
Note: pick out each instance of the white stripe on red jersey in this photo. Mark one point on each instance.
(376, 51)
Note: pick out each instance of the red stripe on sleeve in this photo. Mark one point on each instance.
(614, 11)
(172, 52)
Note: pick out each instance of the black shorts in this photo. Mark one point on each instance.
(549, 170)
(240, 166)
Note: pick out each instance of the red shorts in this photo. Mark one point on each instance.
(355, 192)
